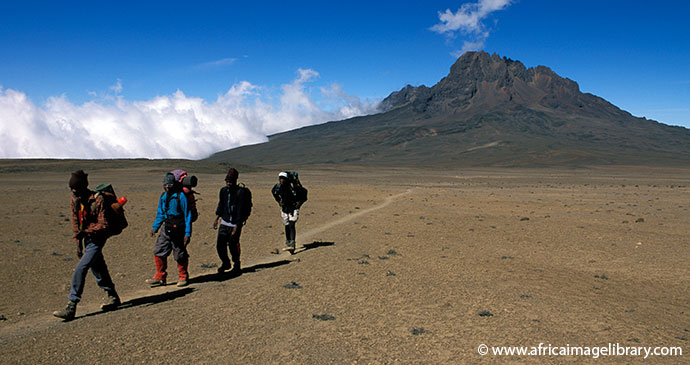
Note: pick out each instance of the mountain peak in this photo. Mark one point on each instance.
(480, 79)
(488, 111)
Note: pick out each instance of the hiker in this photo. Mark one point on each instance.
(175, 216)
(234, 207)
(90, 229)
(290, 195)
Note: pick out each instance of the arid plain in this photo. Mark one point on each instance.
(399, 265)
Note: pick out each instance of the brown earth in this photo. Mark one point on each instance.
(401, 261)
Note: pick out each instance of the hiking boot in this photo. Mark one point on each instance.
(111, 303)
(155, 282)
(182, 282)
(236, 270)
(68, 313)
(223, 268)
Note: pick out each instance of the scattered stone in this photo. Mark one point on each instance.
(356, 207)
(603, 277)
(390, 273)
(410, 235)
(485, 313)
(2, 317)
(630, 310)
(506, 257)
(292, 285)
(682, 338)
(208, 266)
(67, 259)
(634, 339)
(639, 220)
(387, 233)
(383, 257)
(525, 296)
(277, 251)
(56, 254)
(419, 331)
(363, 262)
(624, 222)
(268, 226)
(17, 241)
(323, 317)
(536, 320)
(524, 219)
(422, 217)
(392, 252)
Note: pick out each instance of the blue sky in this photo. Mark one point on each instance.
(261, 68)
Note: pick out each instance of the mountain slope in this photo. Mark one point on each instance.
(488, 111)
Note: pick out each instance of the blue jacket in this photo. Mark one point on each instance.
(173, 211)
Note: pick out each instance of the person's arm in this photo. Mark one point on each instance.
(75, 227)
(160, 215)
(75, 218)
(276, 193)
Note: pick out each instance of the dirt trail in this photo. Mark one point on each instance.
(131, 299)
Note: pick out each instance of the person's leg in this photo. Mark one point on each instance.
(182, 257)
(160, 256)
(222, 247)
(99, 269)
(293, 222)
(288, 233)
(293, 232)
(91, 251)
(235, 250)
(286, 222)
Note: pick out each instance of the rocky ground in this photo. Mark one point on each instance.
(400, 266)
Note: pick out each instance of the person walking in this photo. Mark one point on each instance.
(175, 216)
(234, 205)
(290, 195)
(90, 229)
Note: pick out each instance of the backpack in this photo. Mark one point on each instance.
(114, 210)
(244, 205)
(300, 191)
(244, 195)
(188, 182)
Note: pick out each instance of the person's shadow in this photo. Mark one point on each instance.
(257, 267)
(145, 301)
(172, 295)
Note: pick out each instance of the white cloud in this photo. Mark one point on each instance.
(469, 20)
(117, 88)
(168, 126)
(216, 63)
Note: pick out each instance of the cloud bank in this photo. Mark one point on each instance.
(469, 20)
(169, 126)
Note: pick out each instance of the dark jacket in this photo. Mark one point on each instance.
(232, 205)
(286, 197)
